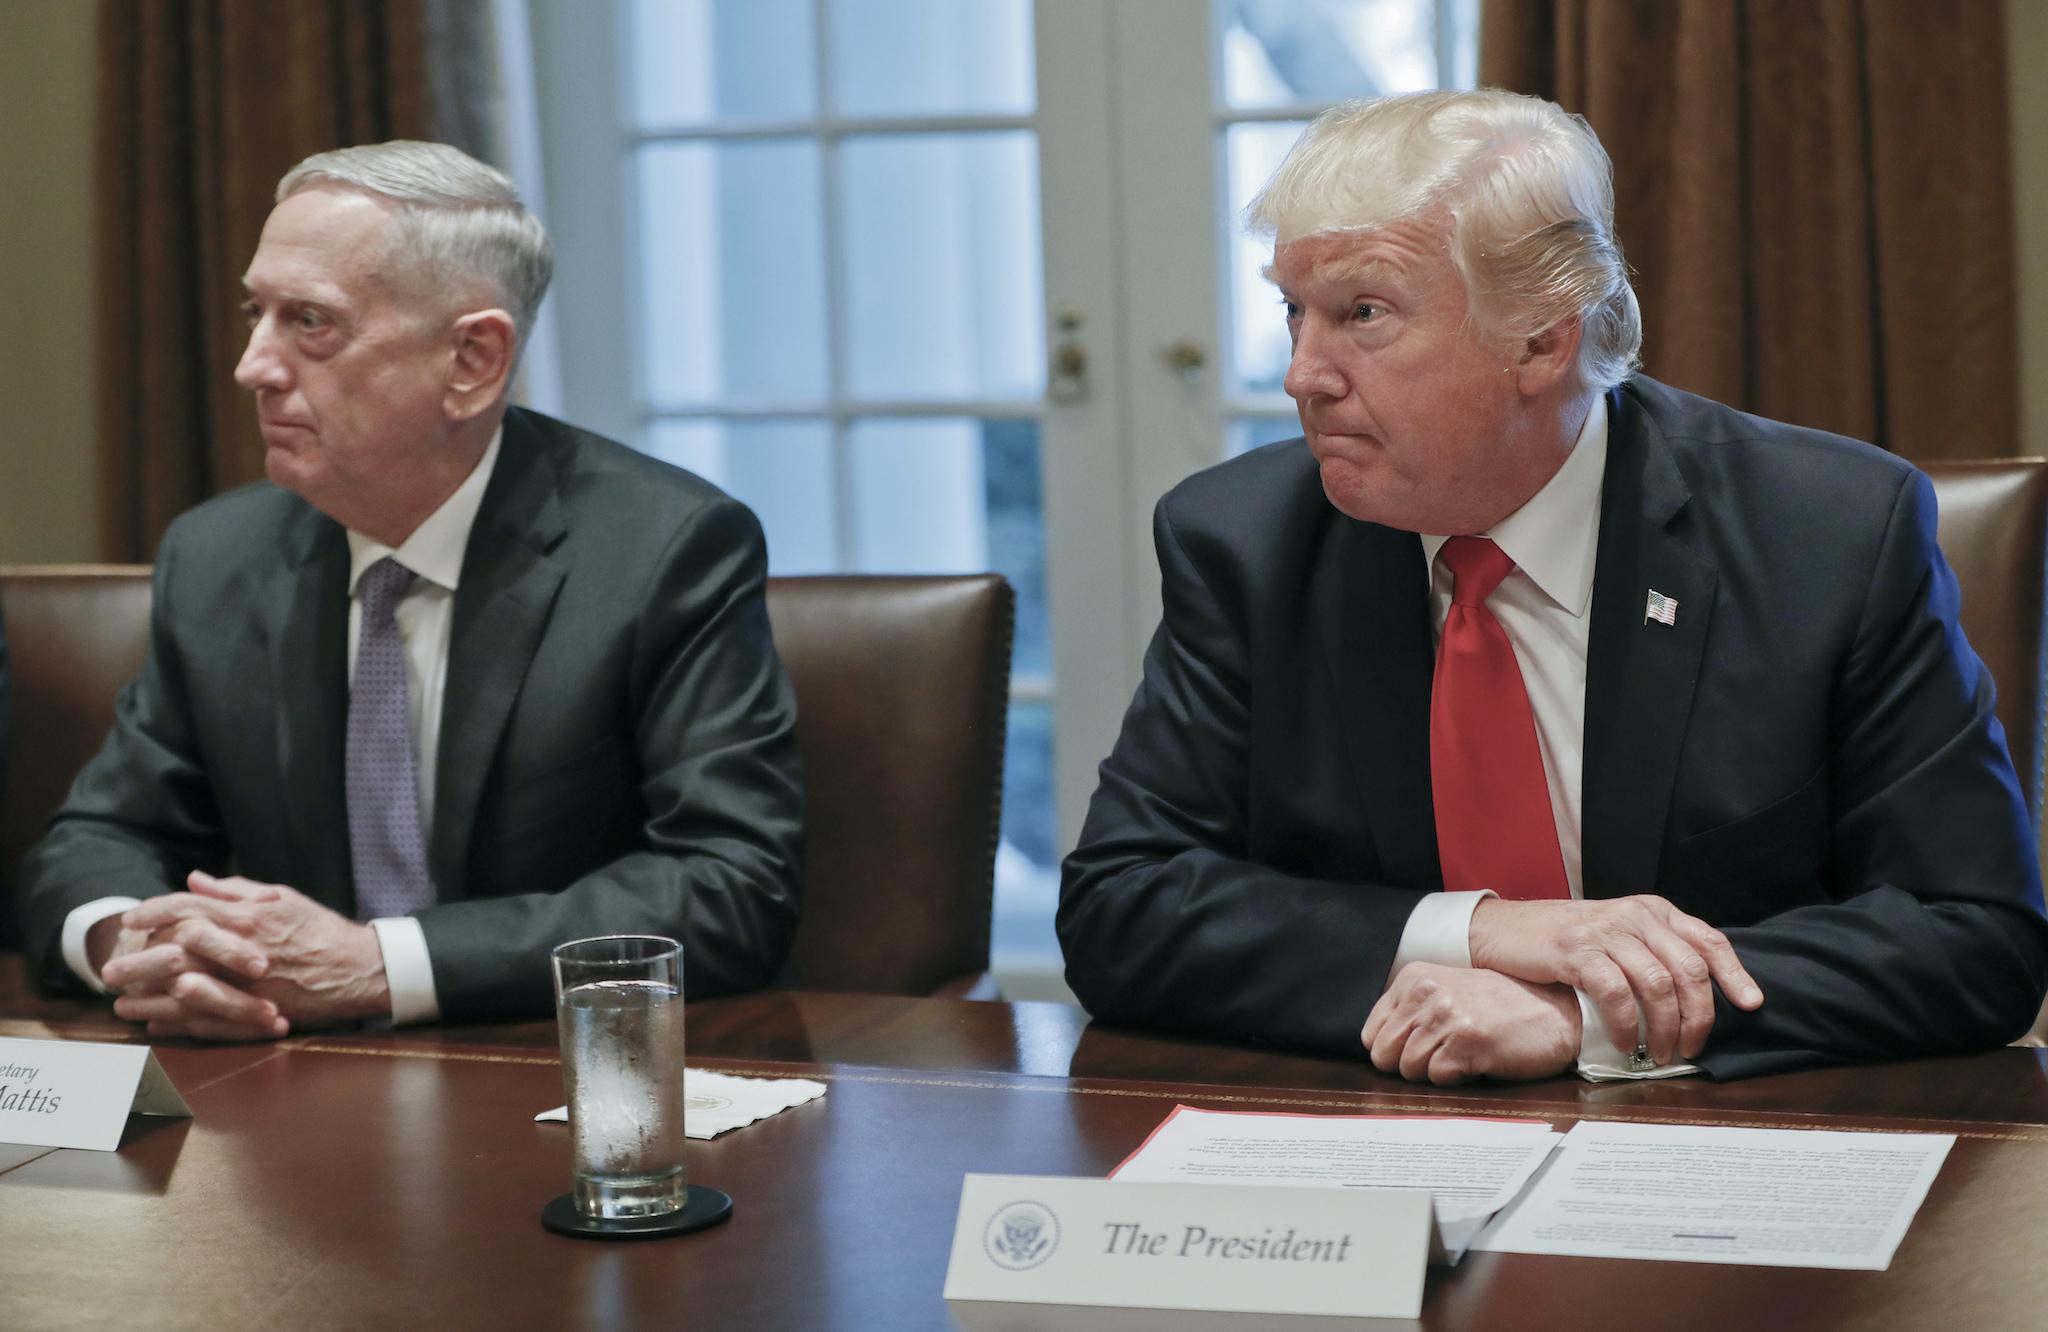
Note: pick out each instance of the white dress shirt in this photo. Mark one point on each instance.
(1544, 605)
(434, 553)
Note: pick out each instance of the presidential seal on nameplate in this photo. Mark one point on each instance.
(1022, 1242)
(80, 1093)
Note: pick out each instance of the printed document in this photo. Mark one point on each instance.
(1763, 1197)
(1471, 1167)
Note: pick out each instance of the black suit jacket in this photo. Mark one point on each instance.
(617, 750)
(1807, 759)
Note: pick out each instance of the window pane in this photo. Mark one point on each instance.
(1028, 859)
(1259, 348)
(941, 252)
(931, 57)
(1016, 539)
(732, 300)
(781, 469)
(1249, 432)
(705, 61)
(1290, 52)
(955, 495)
(917, 497)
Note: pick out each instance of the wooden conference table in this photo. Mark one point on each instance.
(395, 1180)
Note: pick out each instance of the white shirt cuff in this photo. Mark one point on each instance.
(408, 971)
(1439, 930)
(78, 924)
(1600, 1061)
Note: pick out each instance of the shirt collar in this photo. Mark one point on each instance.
(435, 548)
(1553, 537)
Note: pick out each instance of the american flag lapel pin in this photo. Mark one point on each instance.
(1662, 609)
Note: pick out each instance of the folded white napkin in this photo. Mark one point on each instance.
(716, 1102)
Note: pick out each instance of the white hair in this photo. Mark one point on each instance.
(1527, 189)
(460, 229)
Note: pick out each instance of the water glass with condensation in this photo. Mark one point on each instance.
(619, 1004)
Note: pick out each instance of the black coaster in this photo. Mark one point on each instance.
(705, 1208)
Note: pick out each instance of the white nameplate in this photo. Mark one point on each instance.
(1228, 1248)
(79, 1093)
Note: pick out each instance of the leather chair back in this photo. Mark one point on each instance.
(75, 636)
(1994, 531)
(902, 688)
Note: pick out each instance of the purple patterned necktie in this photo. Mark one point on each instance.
(382, 774)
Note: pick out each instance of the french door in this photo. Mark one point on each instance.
(943, 285)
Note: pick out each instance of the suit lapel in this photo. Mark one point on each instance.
(508, 590)
(1640, 674)
(1373, 608)
(304, 611)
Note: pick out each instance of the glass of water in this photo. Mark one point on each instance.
(619, 1004)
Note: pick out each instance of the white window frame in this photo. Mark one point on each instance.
(1123, 229)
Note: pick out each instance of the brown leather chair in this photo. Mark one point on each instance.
(75, 635)
(1994, 531)
(902, 688)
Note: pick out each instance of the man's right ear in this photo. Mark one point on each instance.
(1546, 360)
(485, 344)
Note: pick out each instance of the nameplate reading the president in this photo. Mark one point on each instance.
(79, 1093)
(1227, 1248)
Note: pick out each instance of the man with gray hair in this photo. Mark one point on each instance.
(1527, 713)
(459, 683)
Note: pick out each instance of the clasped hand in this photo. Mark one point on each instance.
(1630, 955)
(1513, 1013)
(1449, 1024)
(237, 960)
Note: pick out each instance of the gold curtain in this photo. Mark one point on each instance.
(1813, 195)
(204, 104)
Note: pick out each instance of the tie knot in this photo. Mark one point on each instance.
(1477, 566)
(381, 585)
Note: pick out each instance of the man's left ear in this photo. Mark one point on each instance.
(1546, 359)
(483, 344)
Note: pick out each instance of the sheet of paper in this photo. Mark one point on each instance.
(1471, 1167)
(1762, 1197)
(714, 1103)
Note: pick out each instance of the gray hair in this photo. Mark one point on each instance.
(1528, 191)
(460, 228)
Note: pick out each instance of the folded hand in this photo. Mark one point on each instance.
(238, 960)
(1628, 954)
(1448, 1024)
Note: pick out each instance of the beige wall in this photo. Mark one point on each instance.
(49, 490)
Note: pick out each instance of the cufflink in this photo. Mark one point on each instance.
(1640, 1061)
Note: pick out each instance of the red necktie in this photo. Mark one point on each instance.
(1494, 827)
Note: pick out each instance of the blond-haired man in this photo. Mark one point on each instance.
(1527, 713)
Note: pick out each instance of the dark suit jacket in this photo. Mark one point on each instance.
(617, 749)
(1807, 759)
